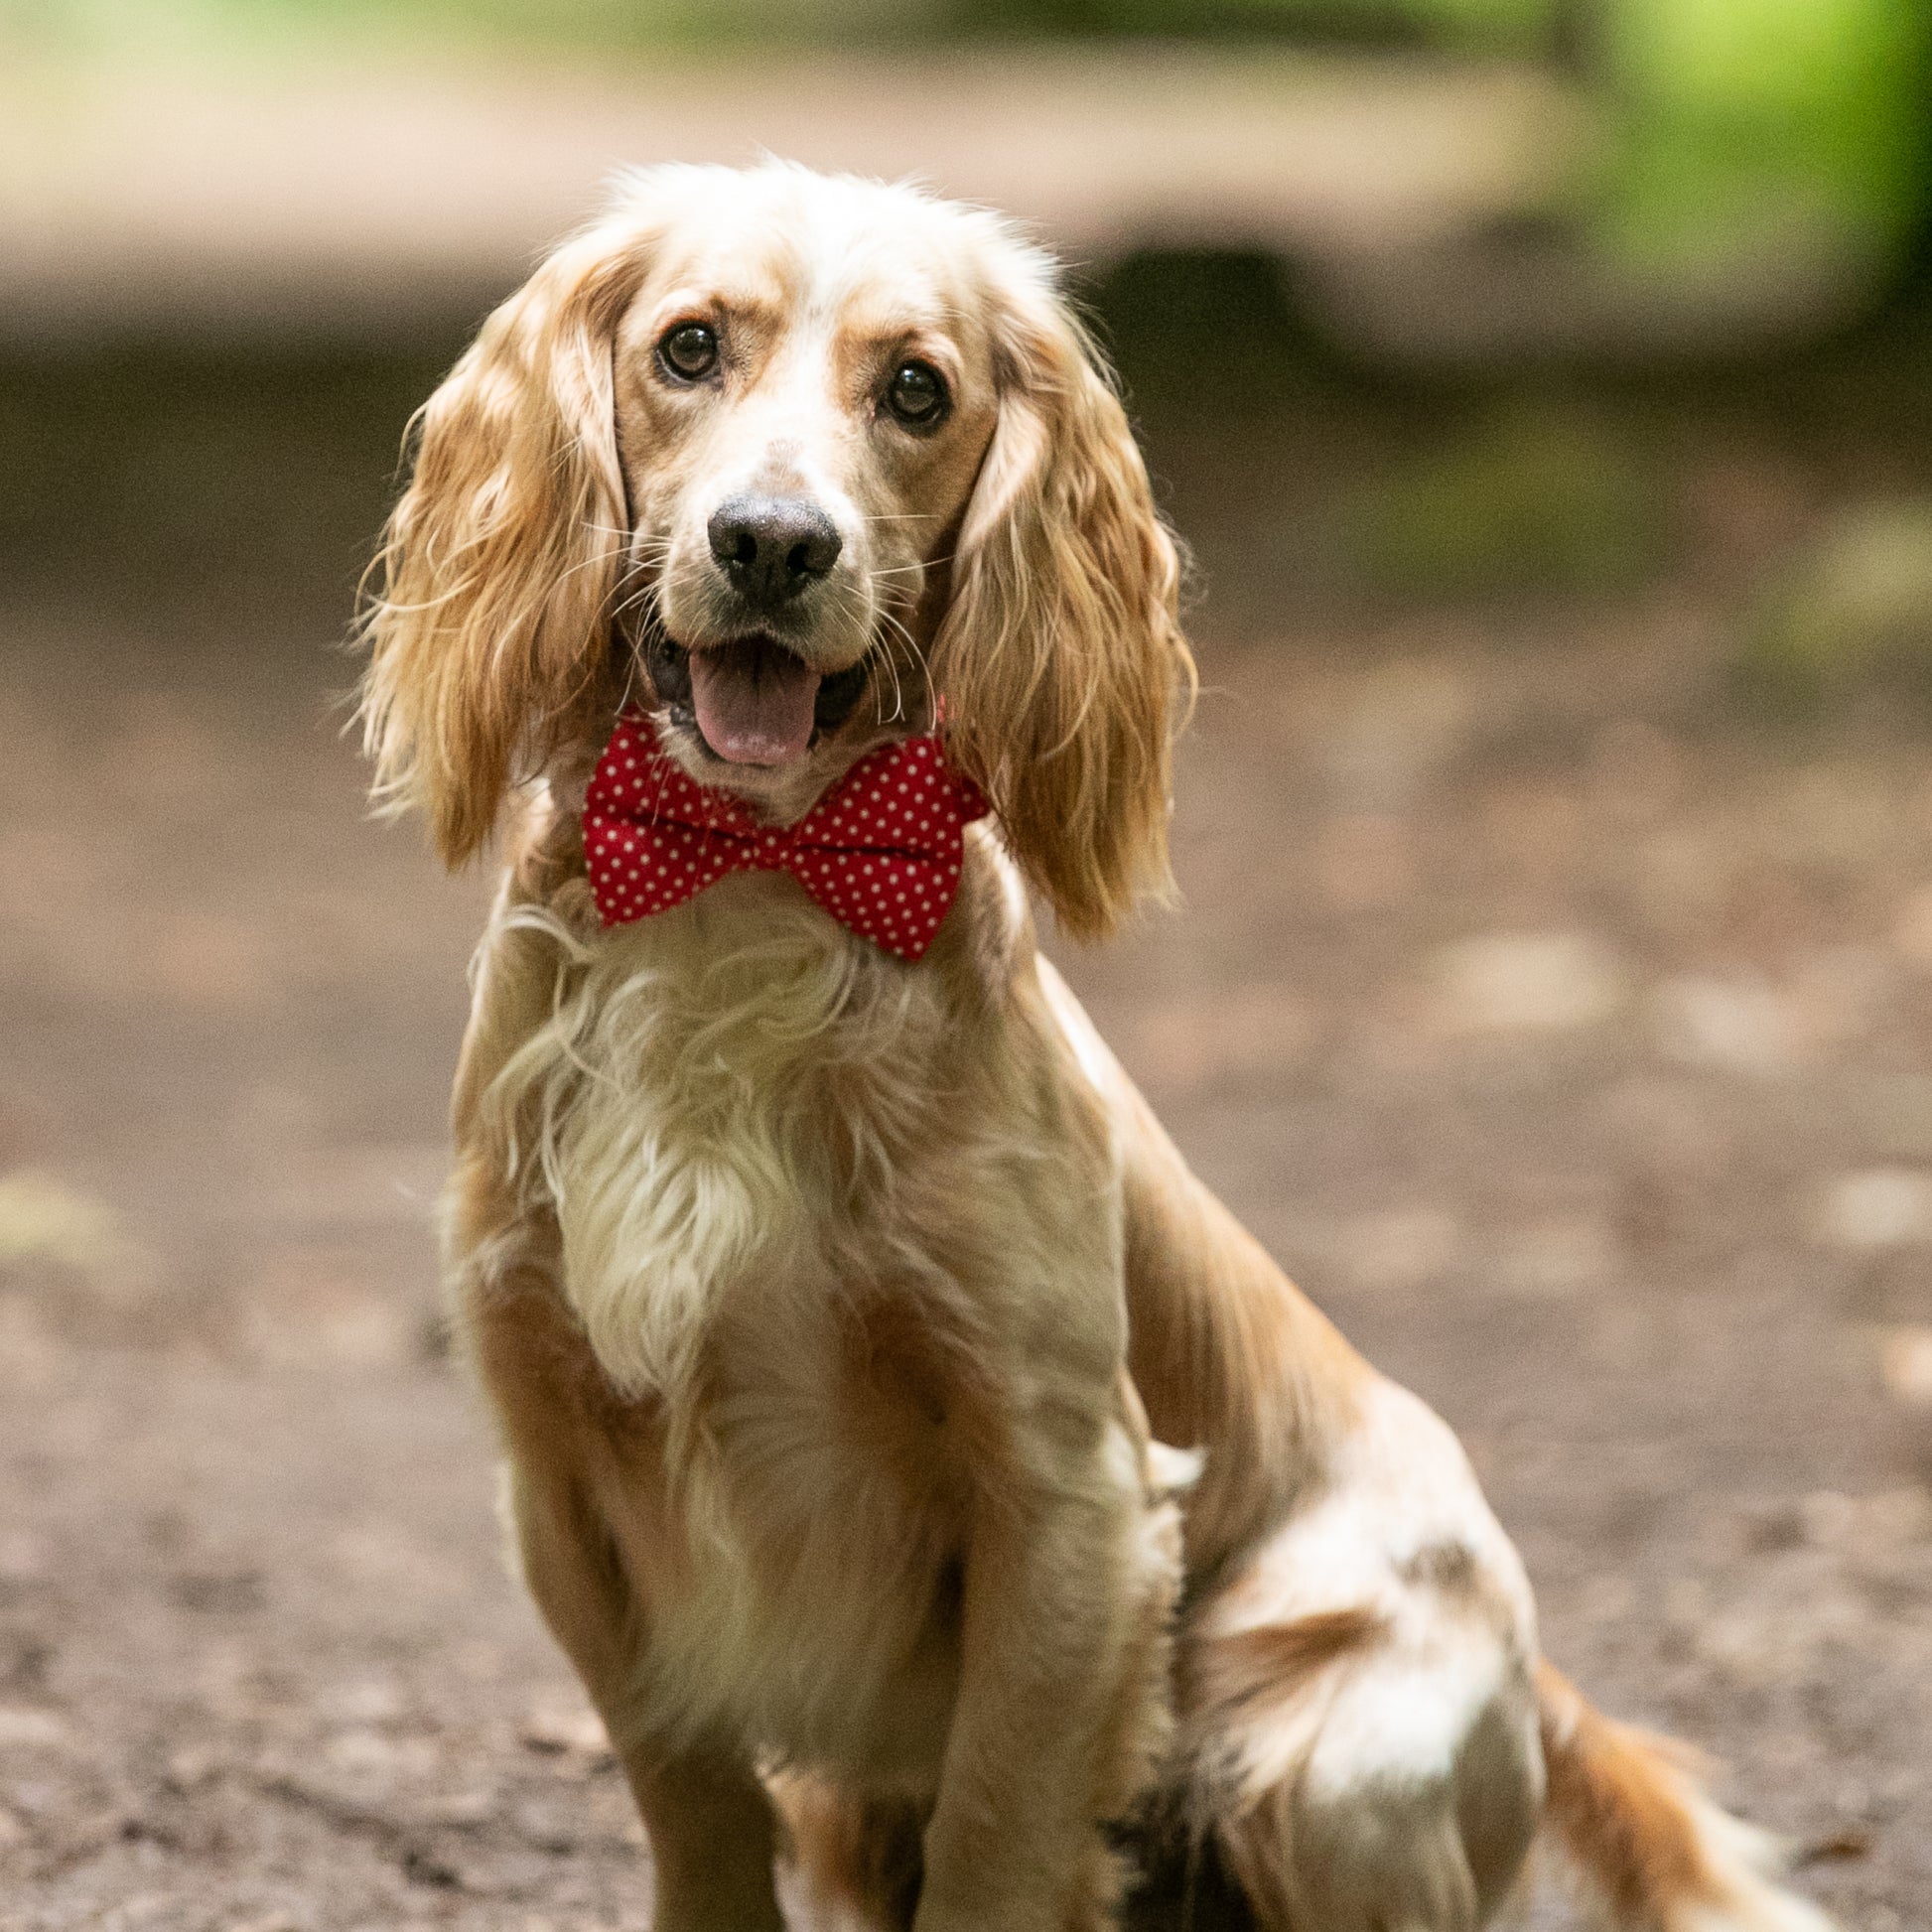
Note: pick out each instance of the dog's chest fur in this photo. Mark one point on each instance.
(773, 1167)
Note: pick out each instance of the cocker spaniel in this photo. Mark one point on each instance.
(780, 569)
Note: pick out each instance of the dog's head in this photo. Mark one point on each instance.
(802, 461)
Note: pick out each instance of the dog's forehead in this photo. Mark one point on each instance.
(851, 256)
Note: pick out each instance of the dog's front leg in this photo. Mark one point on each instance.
(1061, 1707)
(711, 1826)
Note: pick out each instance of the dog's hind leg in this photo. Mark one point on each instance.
(1354, 1789)
(1325, 1829)
(1359, 1719)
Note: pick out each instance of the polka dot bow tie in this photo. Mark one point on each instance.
(881, 851)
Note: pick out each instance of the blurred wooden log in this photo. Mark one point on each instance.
(356, 202)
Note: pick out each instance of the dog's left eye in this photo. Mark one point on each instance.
(689, 351)
(916, 395)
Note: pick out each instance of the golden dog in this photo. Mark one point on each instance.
(834, 1306)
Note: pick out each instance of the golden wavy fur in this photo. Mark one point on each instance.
(835, 1309)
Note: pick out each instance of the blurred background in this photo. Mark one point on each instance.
(1543, 388)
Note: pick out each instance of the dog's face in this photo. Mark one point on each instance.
(801, 462)
(805, 387)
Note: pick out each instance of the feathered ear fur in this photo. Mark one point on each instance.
(1060, 656)
(502, 560)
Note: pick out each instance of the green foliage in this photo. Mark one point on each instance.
(1856, 604)
(1539, 499)
(1738, 114)
(1487, 23)
(642, 25)
(1525, 24)
(631, 26)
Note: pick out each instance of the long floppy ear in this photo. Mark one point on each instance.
(501, 562)
(1060, 656)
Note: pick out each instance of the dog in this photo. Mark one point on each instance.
(945, 1504)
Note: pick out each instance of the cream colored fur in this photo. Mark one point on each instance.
(836, 1311)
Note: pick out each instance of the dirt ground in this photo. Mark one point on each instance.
(1562, 1027)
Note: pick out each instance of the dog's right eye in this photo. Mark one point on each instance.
(689, 352)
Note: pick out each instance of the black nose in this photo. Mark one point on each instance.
(771, 547)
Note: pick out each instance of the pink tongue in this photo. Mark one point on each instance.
(754, 702)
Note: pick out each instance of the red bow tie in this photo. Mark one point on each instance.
(881, 851)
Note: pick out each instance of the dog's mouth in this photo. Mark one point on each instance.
(752, 700)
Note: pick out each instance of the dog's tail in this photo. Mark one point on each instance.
(1630, 1810)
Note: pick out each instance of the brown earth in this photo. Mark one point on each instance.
(1563, 1029)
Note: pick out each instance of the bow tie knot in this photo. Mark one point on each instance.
(881, 852)
(769, 852)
